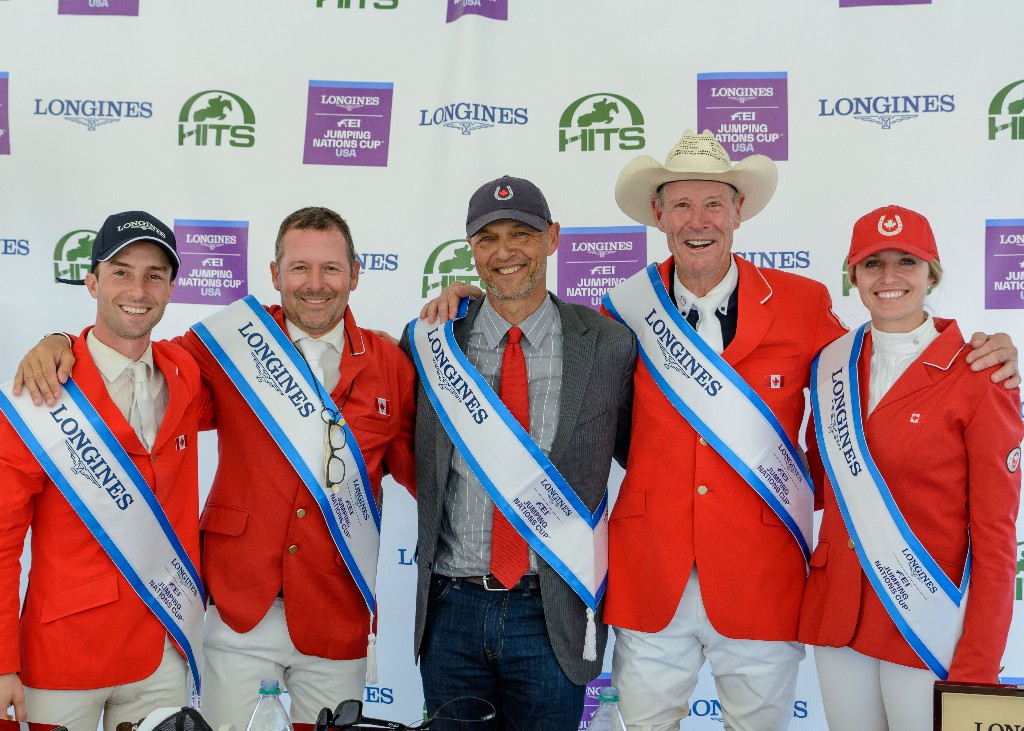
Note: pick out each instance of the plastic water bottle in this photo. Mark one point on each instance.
(269, 714)
(607, 716)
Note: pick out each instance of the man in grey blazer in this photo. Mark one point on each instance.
(521, 648)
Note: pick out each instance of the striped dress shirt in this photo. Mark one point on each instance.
(465, 547)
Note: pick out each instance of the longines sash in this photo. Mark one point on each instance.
(275, 381)
(716, 401)
(105, 488)
(922, 601)
(516, 473)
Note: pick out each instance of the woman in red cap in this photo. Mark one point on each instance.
(920, 458)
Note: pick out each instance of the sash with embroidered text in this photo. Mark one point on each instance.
(514, 471)
(276, 382)
(91, 469)
(716, 401)
(919, 597)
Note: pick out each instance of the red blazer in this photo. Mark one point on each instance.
(259, 511)
(750, 568)
(82, 625)
(941, 437)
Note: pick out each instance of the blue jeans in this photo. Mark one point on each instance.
(493, 645)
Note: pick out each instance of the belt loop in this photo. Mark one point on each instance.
(488, 587)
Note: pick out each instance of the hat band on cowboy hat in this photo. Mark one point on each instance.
(892, 227)
(695, 157)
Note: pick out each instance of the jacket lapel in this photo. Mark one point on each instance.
(353, 360)
(90, 381)
(754, 317)
(932, 366)
(578, 347)
(179, 395)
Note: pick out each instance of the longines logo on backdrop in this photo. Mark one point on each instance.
(358, 4)
(777, 259)
(215, 118)
(93, 113)
(1006, 112)
(14, 247)
(885, 111)
(214, 261)
(746, 111)
(377, 262)
(376, 694)
(72, 257)
(1004, 264)
(348, 123)
(469, 116)
(450, 262)
(601, 122)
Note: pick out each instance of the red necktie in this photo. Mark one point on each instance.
(509, 556)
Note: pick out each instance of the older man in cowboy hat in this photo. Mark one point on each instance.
(708, 540)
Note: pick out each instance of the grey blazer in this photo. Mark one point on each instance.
(598, 357)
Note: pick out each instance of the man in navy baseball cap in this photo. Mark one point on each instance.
(500, 614)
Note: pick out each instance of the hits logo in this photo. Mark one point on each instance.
(215, 117)
(599, 121)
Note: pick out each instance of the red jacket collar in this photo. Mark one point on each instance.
(353, 335)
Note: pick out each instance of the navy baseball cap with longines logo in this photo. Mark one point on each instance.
(516, 199)
(122, 229)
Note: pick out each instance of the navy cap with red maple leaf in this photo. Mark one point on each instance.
(515, 199)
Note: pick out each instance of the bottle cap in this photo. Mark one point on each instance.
(269, 687)
(608, 694)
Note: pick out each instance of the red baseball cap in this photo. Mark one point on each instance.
(892, 227)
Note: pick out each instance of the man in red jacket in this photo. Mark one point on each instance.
(710, 534)
(86, 642)
(284, 601)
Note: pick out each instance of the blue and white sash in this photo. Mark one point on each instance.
(716, 401)
(922, 601)
(275, 381)
(104, 487)
(514, 471)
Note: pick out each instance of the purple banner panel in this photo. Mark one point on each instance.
(348, 123)
(214, 261)
(591, 700)
(863, 3)
(494, 9)
(1004, 264)
(5, 119)
(98, 7)
(593, 260)
(747, 112)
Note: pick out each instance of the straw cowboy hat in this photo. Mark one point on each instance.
(695, 157)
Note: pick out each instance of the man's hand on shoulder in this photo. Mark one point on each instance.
(995, 350)
(445, 306)
(44, 369)
(12, 694)
(385, 335)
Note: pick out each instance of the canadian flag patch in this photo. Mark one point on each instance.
(775, 380)
(383, 406)
(915, 418)
(1013, 459)
(180, 442)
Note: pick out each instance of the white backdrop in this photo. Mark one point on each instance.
(90, 107)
